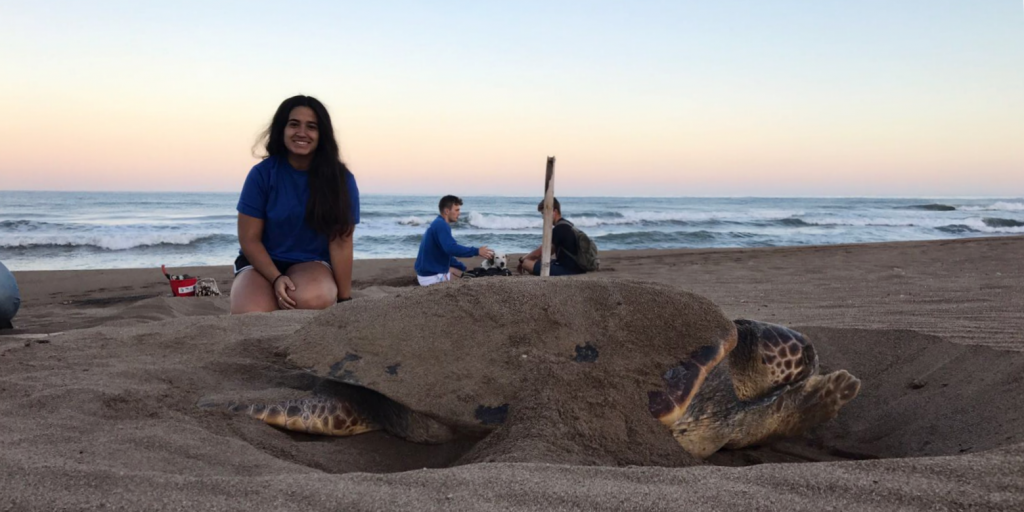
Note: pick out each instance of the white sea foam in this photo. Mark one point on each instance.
(412, 220)
(975, 223)
(110, 242)
(1005, 206)
(503, 223)
(626, 218)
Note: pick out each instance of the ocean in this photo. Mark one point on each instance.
(88, 230)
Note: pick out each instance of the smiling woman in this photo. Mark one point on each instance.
(296, 216)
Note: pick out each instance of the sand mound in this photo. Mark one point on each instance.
(570, 362)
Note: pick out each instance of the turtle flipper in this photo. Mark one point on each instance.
(793, 410)
(684, 381)
(767, 357)
(717, 419)
(768, 388)
(316, 415)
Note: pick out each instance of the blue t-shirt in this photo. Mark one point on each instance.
(277, 193)
(438, 250)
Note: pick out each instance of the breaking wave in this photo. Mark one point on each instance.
(1005, 206)
(934, 207)
(1002, 223)
(114, 242)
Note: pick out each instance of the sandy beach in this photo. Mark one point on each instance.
(99, 386)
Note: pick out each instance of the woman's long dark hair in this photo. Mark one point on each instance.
(329, 209)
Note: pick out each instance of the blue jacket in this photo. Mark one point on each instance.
(438, 250)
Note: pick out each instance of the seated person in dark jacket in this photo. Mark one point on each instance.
(564, 248)
(436, 261)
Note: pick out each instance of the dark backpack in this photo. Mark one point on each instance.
(587, 257)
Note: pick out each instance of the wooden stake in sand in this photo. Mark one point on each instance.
(549, 208)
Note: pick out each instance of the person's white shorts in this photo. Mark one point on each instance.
(434, 279)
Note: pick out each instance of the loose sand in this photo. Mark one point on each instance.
(100, 383)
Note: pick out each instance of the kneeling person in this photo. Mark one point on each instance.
(571, 250)
(436, 261)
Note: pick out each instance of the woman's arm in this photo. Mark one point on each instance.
(250, 237)
(341, 262)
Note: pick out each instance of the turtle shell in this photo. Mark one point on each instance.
(465, 352)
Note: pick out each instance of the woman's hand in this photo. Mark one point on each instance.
(485, 253)
(282, 284)
(341, 264)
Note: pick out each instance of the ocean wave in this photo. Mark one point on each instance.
(126, 221)
(975, 223)
(628, 218)
(993, 222)
(501, 241)
(463, 239)
(112, 242)
(24, 225)
(997, 206)
(642, 238)
(794, 222)
(503, 222)
(957, 229)
(214, 217)
(933, 207)
(1013, 207)
(415, 221)
(613, 215)
(388, 239)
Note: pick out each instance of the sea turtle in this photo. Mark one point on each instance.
(428, 363)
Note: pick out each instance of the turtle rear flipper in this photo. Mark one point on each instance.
(717, 419)
(339, 409)
(774, 373)
(768, 388)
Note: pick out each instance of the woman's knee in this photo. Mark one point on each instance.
(314, 286)
(315, 296)
(251, 293)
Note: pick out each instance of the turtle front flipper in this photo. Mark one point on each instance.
(683, 383)
(315, 415)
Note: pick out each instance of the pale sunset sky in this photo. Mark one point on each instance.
(638, 98)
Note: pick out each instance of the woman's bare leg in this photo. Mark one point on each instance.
(251, 292)
(314, 285)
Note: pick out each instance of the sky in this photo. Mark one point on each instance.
(640, 98)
